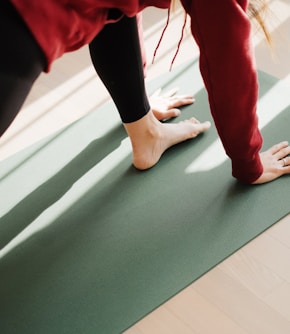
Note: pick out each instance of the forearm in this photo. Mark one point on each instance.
(223, 33)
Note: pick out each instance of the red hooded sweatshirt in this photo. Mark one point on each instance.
(222, 30)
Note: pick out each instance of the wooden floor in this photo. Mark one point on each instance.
(250, 291)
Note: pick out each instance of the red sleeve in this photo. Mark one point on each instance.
(223, 32)
(61, 26)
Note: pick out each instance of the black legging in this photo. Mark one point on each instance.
(21, 62)
(115, 53)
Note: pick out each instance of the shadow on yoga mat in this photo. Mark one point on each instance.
(91, 245)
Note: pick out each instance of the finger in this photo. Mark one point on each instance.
(171, 92)
(178, 98)
(156, 93)
(181, 96)
(284, 152)
(178, 102)
(286, 170)
(285, 162)
(276, 148)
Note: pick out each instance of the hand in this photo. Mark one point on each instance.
(276, 162)
(166, 105)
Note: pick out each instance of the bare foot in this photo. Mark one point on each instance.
(150, 138)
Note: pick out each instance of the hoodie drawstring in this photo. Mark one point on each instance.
(179, 42)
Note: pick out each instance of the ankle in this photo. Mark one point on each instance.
(146, 127)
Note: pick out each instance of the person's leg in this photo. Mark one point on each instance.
(21, 62)
(116, 56)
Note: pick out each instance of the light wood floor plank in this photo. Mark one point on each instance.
(281, 231)
(279, 299)
(250, 272)
(162, 321)
(272, 253)
(201, 315)
(240, 304)
(133, 330)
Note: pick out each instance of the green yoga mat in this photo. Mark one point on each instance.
(91, 245)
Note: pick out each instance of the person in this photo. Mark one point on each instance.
(19, 70)
(222, 31)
